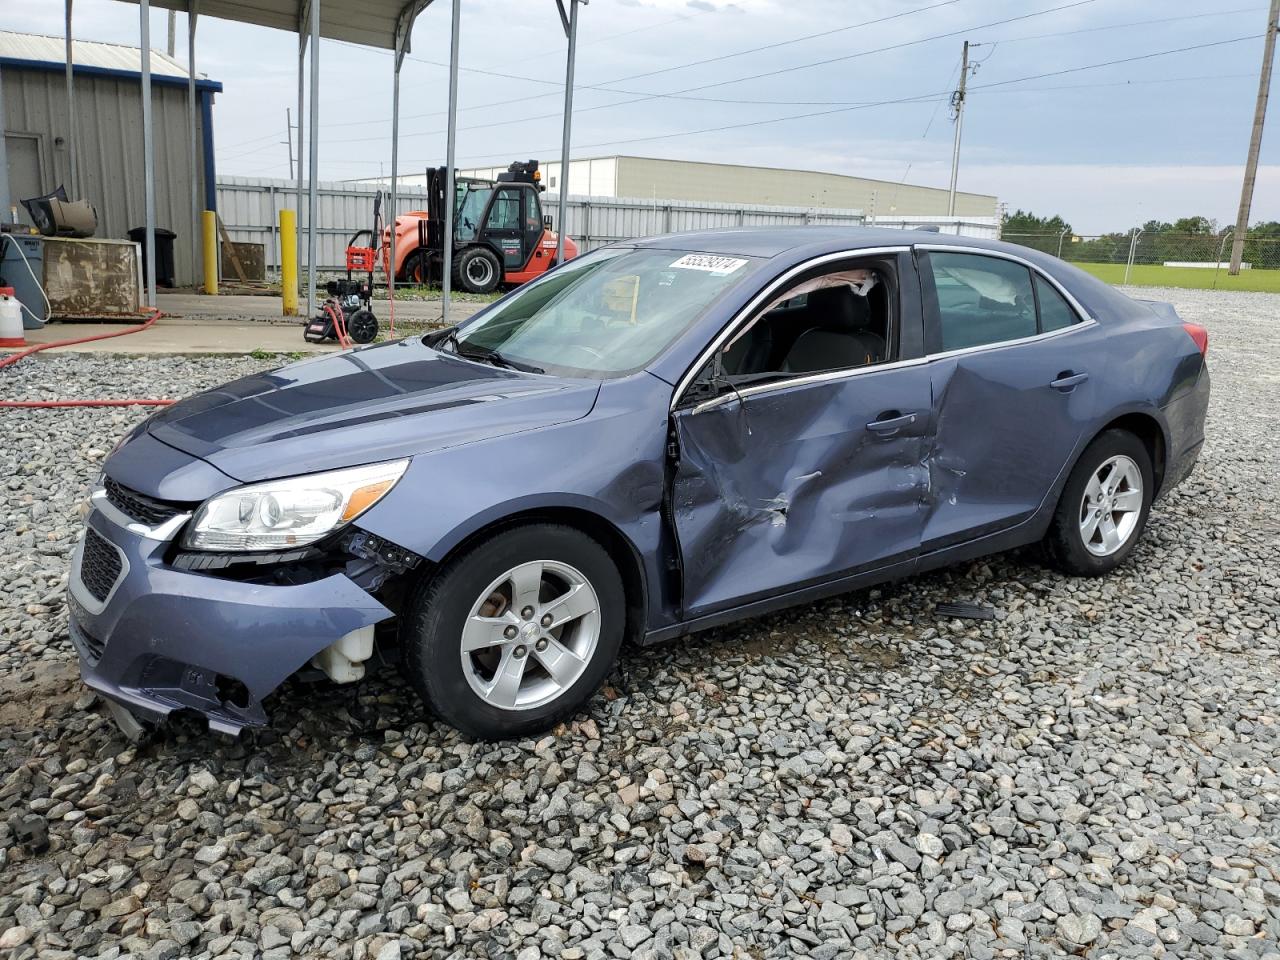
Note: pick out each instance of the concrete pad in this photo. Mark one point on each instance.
(195, 323)
(172, 336)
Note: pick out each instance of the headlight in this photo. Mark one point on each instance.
(283, 514)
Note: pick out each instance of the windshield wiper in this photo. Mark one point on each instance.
(485, 355)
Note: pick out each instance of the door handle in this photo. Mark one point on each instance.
(891, 422)
(1068, 381)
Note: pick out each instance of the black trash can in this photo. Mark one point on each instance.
(164, 253)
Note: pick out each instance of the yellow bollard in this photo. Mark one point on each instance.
(209, 221)
(289, 261)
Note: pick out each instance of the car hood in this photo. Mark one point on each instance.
(379, 403)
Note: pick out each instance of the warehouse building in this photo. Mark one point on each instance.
(639, 177)
(107, 134)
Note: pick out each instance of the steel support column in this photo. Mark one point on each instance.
(313, 162)
(571, 32)
(148, 153)
(450, 157)
(6, 211)
(73, 129)
(193, 11)
(302, 62)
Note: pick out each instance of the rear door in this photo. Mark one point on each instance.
(802, 479)
(1011, 362)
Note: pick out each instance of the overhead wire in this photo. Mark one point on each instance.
(912, 99)
(644, 97)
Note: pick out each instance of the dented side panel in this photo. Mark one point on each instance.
(788, 487)
(1003, 434)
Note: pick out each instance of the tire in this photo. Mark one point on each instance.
(415, 270)
(1076, 544)
(477, 270)
(362, 327)
(474, 598)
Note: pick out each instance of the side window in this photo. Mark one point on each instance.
(505, 214)
(833, 321)
(1055, 312)
(982, 300)
(532, 211)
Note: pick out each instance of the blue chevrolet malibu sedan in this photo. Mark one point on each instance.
(659, 437)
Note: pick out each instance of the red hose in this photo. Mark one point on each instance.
(154, 315)
(339, 323)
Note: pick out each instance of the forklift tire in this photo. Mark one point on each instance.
(362, 327)
(414, 270)
(477, 270)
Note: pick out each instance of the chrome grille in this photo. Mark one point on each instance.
(138, 506)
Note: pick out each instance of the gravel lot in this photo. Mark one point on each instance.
(1095, 772)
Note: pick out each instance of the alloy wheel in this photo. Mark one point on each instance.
(1112, 506)
(530, 635)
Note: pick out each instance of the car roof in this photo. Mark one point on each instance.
(774, 241)
(796, 243)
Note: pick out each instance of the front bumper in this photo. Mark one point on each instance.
(161, 639)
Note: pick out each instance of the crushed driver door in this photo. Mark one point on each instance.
(790, 485)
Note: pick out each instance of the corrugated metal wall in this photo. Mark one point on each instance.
(250, 206)
(250, 209)
(733, 183)
(595, 221)
(110, 148)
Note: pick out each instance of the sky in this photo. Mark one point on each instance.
(1161, 136)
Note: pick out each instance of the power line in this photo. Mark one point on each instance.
(645, 97)
(1131, 23)
(601, 88)
(912, 99)
(780, 43)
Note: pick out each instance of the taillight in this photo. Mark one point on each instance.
(1199, 334)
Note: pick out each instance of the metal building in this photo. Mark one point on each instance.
(639, 177)
(107, 137)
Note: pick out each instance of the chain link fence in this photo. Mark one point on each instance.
(1144, 249)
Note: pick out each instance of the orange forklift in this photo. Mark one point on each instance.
(500, 234)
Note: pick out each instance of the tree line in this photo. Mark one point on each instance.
(1197, 239)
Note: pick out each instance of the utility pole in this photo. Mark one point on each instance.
(172, 48)
(957, 103)
(288, 132)
(1255, 141)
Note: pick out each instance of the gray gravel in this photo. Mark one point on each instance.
(1096, 772)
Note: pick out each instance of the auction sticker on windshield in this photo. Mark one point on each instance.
(708, 264)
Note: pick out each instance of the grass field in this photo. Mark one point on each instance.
(1193, 278)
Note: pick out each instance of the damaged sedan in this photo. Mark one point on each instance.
(655, 438)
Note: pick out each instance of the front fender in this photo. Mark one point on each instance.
(610, 464)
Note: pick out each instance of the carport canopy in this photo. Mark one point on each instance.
(384, 24)
(371, 23)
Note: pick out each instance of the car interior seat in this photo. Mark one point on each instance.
(841, 335)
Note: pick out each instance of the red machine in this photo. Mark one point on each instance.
(500, 235)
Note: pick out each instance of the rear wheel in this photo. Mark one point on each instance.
(517, 633)
(1103, 508)
(477, 270)
(362, 327)
(414, 270)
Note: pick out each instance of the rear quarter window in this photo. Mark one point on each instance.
(1055, 312)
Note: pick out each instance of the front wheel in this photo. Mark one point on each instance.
(1103, 508)
(477, 270)
(517, 633)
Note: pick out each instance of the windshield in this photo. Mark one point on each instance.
(471, 202)
(603, 314)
